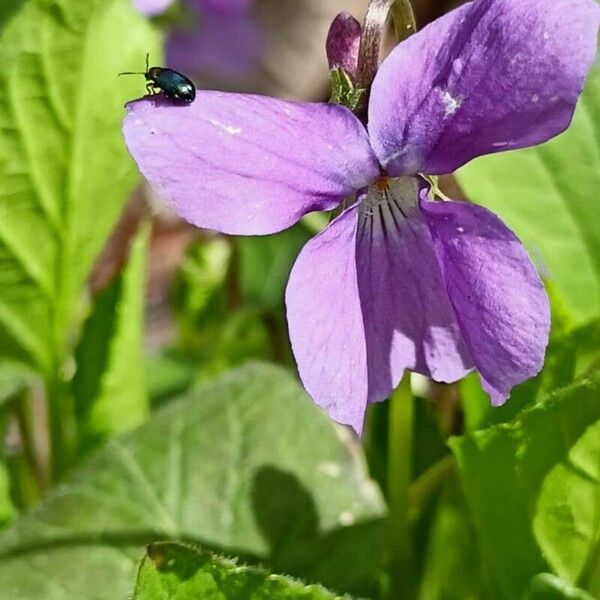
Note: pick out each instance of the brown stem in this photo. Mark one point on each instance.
(373, 32)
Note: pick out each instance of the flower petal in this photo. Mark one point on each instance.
(205, 49)
(325, 322)
(492, 75)
(151, 8)
(409, 321)
(224, 6)
(246, 164)
(498, 297)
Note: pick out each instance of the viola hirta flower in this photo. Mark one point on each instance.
(216, 36)
(397, 281)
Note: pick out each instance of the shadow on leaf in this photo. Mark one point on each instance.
(286, 515)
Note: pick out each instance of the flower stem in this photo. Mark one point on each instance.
(24, 417)
(400, 441)
(424, 486)
(61, 426)
(374, 29)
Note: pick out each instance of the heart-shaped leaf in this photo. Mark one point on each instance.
(246, 464)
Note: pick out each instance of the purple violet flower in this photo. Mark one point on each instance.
(222, 37)
(397, 281)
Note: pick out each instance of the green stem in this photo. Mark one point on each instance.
(400, 443)
(61, 426)
(25, 422)
(430, 481)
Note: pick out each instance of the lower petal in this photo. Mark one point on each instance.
(325, 322)
(409, 321)
(497, 294)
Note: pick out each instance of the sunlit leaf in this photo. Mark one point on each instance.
(548, 587)
(178, 572)
(533, 488)
(109, 385)
(64, 171)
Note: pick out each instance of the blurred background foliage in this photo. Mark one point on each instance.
(147, 387)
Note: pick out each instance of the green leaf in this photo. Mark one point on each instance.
(178, 572)
(499, 507)
(452, 560)
(246, 464)
(14, 377)
(533, 488)
(547, 196)
(560, 447)
(169, 374)
(240, 336)
(64, 170)
(265, 264)
(109, 385)
(343, 89)
(548, 587)
(199, 287)
(567, 520)
(7, 508)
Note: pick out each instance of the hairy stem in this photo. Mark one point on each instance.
(374, 29)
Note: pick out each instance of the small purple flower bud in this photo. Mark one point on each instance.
(343, 43)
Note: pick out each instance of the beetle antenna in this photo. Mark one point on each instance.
(131, 73)
(147, 61)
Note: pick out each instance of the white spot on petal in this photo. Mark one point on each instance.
(230, 129)
(460, 229)
(500, 144)
(546, 35)
(451, 104)
(535, 98)
(457, 65)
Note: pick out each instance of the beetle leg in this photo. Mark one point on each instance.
(150, 88)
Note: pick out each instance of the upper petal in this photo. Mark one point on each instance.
(499, 300)
(245, 164)
(409, 321)
(325, 322)
(492, 75)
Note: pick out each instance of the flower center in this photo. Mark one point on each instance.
(387, 205)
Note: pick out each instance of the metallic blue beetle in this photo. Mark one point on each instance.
(171, 83)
